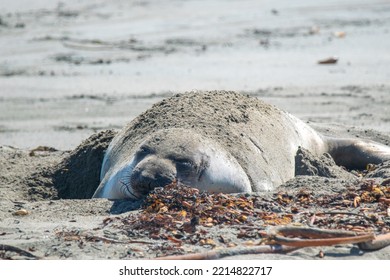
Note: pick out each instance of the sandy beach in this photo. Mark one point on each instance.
(77, 70)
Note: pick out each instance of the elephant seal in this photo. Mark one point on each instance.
(218, 141)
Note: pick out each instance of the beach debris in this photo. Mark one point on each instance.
(264, 42)
(314, 30)
(386, 182)
(166, 210)
(310, 237)
(384, 200)
(207, 241)
(185, 204)
(379, 242)
(284, 239)
(9, 248)
(76, 235)
(173, 217)
(21, 212)
(329, 60)
(41, 149)
(339, 34)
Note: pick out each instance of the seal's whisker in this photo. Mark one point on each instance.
(127, 187)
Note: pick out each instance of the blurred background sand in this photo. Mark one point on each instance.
(68, 69)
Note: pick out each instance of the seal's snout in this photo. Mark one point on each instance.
(150, 173)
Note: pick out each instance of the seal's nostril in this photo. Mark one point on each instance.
(146, 177)
(164, 181)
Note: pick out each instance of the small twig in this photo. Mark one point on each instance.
(245, 227)
(222, 253)
(313, 219)
(318, 237)
(308, 232)
(344, 213)
(384, 200)
(17, 250)
(323, 241)
(87, 47)
(109, 240)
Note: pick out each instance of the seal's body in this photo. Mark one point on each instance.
(219, 142)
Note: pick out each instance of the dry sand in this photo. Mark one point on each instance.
(70, 70)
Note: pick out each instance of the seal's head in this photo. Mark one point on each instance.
(169, 155)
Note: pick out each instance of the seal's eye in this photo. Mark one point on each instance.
(143, 151)
(184, 164)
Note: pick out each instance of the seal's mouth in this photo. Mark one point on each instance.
(141, 185)
(150, 173)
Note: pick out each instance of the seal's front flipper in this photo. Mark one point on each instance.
(357, 153)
